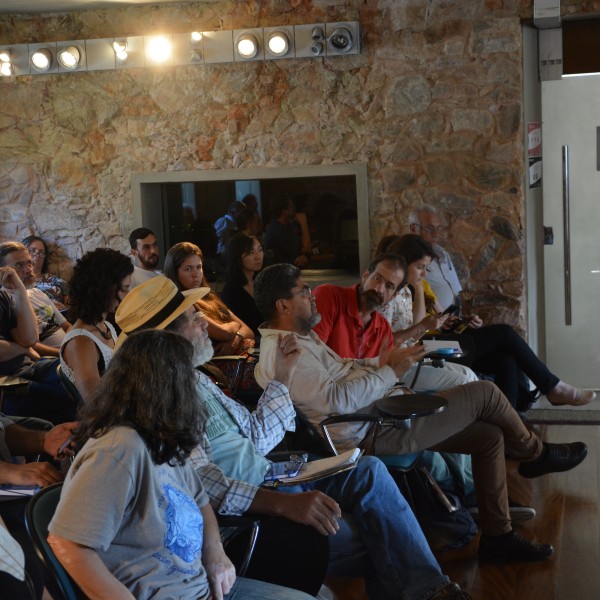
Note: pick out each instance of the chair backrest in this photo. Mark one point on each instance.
(69, 386)
(38, 515)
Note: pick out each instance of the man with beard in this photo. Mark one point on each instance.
(478, 419)
(351, 325)
(145, 252)
(19, 336)
(378, 537)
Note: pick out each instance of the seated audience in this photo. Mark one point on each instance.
(244, 260)
(101, 279)
(56, 288)
(145, 253)
(45, 397)
(378, 537)
(499, 349)
(353, 328)
(229, 334)
(478, 419)
(133, 520)
(16, 440)
(51, 324)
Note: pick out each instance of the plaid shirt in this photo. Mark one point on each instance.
(265, 427)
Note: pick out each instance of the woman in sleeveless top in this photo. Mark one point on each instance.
(101, 279)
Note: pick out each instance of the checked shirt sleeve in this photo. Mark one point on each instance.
(227, 496)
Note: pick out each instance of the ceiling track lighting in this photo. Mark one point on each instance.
(317, 40)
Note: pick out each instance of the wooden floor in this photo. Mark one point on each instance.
(567, 506)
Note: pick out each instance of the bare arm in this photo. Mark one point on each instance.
(23, 441)
(219, 569)
(87, 569)
(81, 354)
(10, 350)
(26, 332)
(44, 350)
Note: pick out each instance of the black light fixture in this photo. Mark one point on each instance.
(340, 41)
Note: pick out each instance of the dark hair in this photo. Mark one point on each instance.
(211, 304)
(412, 247)
(240, 244)
(36, 238)
(150, 385)
(175, 256)
(96, 276)
(396, 259)
(250, 201)
(139, 234)
(279, 203)
(7, 248)
(272, 284)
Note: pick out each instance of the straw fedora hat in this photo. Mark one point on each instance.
(153, 305)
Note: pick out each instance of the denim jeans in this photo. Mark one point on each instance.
(382, 541)
(251, 589)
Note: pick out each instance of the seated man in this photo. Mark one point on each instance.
(499, 349)
(353, 328)
(45, 396)
(18, 441)
(398, 560)
(145, 255)
(478, 419)
(51, 324)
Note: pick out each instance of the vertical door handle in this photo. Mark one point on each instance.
(566, 234)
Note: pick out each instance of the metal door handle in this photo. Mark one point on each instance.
(566, 234)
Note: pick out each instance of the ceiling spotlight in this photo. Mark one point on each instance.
(247, 46)
(6, 69)
(159, 49)
(341, 39)
(120, 48)
(277, 43)
(196, 36)
(317, 34)
(317, 47)
(41, 60)
(4, 56)
(195, 56)
(69, 57)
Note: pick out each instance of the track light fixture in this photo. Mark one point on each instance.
(246, 46)
(195, 47)
(69, 57)
(41, 60)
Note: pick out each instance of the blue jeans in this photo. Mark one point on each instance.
(251, 589)
(382, 541)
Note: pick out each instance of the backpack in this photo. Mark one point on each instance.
(445, 521)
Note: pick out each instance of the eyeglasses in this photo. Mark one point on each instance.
(36, 252)
(432, 228)
(305, 292)
(20, 266)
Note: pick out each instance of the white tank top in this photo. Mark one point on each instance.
(105, 350)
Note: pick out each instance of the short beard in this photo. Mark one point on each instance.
(370, 299)
(203, 349)
(149, 264)
(304, 326)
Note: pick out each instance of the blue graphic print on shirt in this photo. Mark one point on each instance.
(185, 526)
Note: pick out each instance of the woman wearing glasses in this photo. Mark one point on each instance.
(229, 334)
(101, 279)
(56, 288)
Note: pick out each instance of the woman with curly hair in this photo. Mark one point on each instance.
(229, 334)
(133, 520)
(101, 279)
(244, 261)
(56, 288)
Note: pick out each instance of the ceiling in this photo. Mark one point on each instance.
(46, 6)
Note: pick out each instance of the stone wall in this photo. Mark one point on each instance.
(432, 105)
